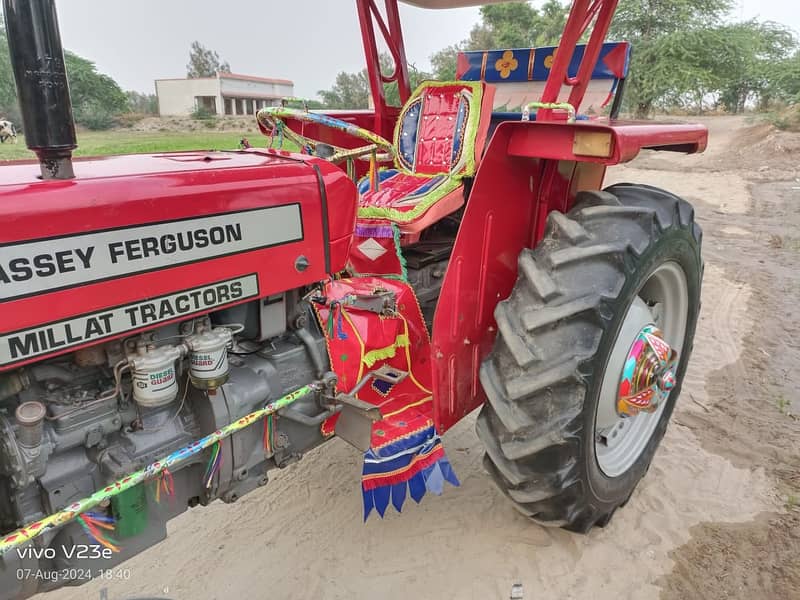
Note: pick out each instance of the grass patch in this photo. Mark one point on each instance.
(783, 405)
(103, 143)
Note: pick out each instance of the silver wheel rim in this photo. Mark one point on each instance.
(662, 301)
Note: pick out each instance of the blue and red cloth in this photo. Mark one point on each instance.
(406, 456)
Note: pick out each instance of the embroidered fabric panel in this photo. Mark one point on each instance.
(458, 139)
(400, 191)
(437, 131)
(406, 457)
(407, 139)
(533, 64)
(376, 250)
(383, 175)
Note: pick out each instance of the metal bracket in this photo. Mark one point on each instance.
(355, 421)
(382, 302)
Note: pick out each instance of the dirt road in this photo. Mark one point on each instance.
(716, 517)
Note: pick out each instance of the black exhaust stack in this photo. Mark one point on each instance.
(37, 58)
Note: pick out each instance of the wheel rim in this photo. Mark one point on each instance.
(660, 309)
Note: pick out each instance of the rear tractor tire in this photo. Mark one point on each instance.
(579, 386)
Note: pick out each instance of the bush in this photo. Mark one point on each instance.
(94, 116)
(202, 114)
(787, 119)
(128, 120)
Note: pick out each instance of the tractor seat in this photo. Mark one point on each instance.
(436, 137)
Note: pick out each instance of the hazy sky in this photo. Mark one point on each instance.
(308, 41)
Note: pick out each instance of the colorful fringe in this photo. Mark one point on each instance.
(373, 356)
(411, 466)
(214, 464)
(269, 434)
(92, 523)
(167, 483)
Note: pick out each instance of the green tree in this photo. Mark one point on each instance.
(751, 48)
(204, 62)
(144, 104)
(96, 97)
(648, 24)
(784, 77)
(8, 90)
(519, 25)
(351, 90)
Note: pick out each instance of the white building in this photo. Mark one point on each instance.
(224, 94)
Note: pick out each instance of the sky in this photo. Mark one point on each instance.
(307, 41)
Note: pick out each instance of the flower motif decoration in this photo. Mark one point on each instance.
(548, 61)
(506, 63)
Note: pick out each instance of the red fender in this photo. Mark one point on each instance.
(529, 169)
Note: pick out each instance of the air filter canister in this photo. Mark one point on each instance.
(154, 380)
(208, 357)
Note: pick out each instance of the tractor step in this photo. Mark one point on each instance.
(355, 421)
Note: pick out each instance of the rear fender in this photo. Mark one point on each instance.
(528, 170)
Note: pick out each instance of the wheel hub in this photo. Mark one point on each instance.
(648, 374)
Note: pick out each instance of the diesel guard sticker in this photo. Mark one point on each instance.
(59, 335)
(37, 266)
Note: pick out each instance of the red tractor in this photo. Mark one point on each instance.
(174, 326)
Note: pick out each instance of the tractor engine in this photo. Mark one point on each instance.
(72, 423)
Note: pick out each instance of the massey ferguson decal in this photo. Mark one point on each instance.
(59, 335)
(45, 265)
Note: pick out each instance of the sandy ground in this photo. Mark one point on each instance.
(716, 516)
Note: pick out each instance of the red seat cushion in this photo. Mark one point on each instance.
(404, 197)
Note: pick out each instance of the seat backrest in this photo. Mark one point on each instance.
(440, 127)
(520, 73)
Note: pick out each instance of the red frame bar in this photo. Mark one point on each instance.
(390, 29)
(581, 16)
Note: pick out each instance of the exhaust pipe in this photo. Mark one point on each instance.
(37, 58)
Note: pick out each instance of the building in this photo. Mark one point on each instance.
(223, 94)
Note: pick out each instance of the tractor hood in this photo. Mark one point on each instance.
(130, 229)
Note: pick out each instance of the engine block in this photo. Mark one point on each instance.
(71, 424)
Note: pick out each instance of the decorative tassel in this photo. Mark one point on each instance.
(167, 483)
(214, 464)
(269, 434)
(412, 466)
(339, 325)
(399, 250)
(92, 523)
(335, 309)
(331, 319)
